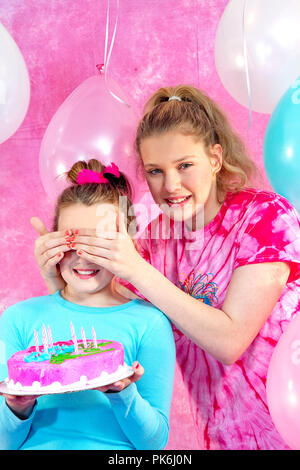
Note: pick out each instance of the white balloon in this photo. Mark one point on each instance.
(272, 34)
(14, 86)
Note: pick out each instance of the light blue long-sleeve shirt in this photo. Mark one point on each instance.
(135, 418)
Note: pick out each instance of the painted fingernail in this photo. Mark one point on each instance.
(73, 245)
(76, 232)
(67, 239)
(72, 238)
(60, 255)
(67, 232)
(79, 252)
(137, 366)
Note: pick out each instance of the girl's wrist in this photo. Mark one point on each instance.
(139, 270)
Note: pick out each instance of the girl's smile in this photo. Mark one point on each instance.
(85, 273)
(177, 200)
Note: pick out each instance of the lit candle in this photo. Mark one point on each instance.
(74, 339)
(45, 340)
(83, 338)
(94, 338)
(36, 340)
(50, 337)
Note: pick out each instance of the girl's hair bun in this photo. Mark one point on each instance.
(93, 165)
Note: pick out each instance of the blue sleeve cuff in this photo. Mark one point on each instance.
(13, 423)
(13, 430)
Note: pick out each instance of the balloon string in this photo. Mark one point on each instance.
(246, 65)
(107, 53)
(106, 36)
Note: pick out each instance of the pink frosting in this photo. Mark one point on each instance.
(91, 366)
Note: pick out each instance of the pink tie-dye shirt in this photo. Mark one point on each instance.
(228, 403)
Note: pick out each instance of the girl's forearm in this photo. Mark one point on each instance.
(208, 327)
(144, 425)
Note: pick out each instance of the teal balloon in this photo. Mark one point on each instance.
(282, 146)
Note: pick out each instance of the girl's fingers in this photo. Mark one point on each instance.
(56, 241)
(48, 254)
(103, 262)
(52, 239)
(60, 241)
(92, 235)
(20, 400)
(26, 398)
(93, 250)
(48, 245)
(48, 260)
(98, 233)
(121, 224)
(103, 242)
(59, 235)
(89, 232)
(90, 241)
(118, 386)
(54, 260)
(55, 238)
(138, 370)
(38, 226)
(121, 384)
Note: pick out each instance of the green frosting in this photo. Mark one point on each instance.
(89, 351)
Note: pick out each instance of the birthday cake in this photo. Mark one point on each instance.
(62, 365)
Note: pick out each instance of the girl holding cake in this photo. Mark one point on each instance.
(222, 261)
(132, 413)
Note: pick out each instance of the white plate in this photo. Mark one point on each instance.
(105, 379)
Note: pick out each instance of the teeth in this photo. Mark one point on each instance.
(176, 201)
(86, 272)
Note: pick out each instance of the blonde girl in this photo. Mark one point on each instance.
(222, 261)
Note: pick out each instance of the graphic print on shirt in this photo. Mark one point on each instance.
(201, 287)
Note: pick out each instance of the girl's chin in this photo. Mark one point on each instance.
(86, 288)
(192, 220)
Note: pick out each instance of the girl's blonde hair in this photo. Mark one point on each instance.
(198, 115)
(92, 193)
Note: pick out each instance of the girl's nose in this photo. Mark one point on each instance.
(172, 182)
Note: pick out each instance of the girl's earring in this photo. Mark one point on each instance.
(217, 168)
(215, 171)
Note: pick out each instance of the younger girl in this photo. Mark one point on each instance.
(132, 413)
(222, 261)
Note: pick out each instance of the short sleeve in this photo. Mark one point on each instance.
(270, 233)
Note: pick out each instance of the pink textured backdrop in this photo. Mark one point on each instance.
(158, 43)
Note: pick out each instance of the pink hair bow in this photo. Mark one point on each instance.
(88, 176)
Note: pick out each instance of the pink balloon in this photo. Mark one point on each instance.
(283, 385)
(90, 123)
